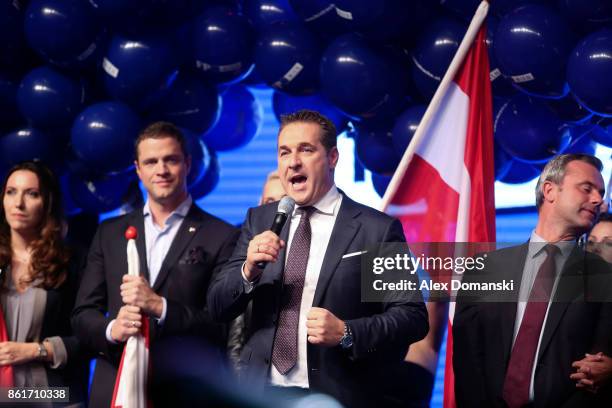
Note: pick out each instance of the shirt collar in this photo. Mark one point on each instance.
(328, 204)
(180, 211)
(537, 243)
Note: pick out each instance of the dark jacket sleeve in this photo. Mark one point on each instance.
(402, 319)
(226, 296)
(89, 318)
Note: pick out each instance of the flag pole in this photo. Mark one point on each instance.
(464, 47)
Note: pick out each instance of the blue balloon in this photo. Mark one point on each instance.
(434, 52)
(196, 150)
(63, 32)
(320, 16)
(588, 72)
(224, 41)
(532, 44)
(589, 14)
(580, 140)
(137, 70)
(10, 117)
(500, 85)
(70, 207)
(103, 193)
(239, 122)
(380, 183)
(30, 144)
(527, 130)
(283, 104)
(502, 161)
(287, 58)
(569, 109)
(190, 103)
(209, 181)
(103, 136)
(364, 82)
(262, 13)
(48, 98)
(375, 150)
(520, 172)
(405, 126)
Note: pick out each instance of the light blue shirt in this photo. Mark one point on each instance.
(159, 239)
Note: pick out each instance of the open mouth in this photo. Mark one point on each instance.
(298, 181)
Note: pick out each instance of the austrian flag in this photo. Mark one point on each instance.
(442, 190)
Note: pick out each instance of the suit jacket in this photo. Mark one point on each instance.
(382, 332)
(483, 333)
(201, 246)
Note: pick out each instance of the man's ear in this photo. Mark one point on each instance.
(188, 163)
(550, 190)
(333, 157)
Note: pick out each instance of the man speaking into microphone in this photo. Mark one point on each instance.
(310, 330)
(180, 249)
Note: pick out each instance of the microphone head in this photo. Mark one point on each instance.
(286, 205)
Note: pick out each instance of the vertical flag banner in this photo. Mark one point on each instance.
(442, 190)
(131, 383)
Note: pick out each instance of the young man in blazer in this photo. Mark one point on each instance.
(181, 248)
(310, 331)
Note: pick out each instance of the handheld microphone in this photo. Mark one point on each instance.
(285, 208)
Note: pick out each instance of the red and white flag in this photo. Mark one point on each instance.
(131, 382)
(442, 190)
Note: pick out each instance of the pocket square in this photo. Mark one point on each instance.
(353, 254)
(194, 256)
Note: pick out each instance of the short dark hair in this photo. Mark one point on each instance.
(160, 130)
(555, 171)
(604, 217)
(329, 133)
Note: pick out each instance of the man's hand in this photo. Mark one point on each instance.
(592, 371)
(135, 291)
(14, 353)
(324, 329)
(264, 247)
(127, 323)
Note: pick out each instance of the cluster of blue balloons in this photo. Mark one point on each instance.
(79, 79)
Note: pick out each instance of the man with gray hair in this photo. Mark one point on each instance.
(520, 353)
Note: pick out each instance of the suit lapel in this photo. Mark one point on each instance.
(188, 229)
(514, 264)
(345, 229)
(137, 221)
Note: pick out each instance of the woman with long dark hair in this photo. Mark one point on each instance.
(38, 282)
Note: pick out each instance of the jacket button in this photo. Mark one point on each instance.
(235, 293)
(267, 360)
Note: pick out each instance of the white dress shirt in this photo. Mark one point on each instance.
(535, 258)
(321, 223)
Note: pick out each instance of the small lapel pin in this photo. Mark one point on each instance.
(191, 229)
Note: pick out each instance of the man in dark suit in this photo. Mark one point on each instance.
(519, 352)
(180, 248)
(309, 329)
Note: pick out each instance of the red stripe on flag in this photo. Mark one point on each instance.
(431, 203)
(473, 79)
